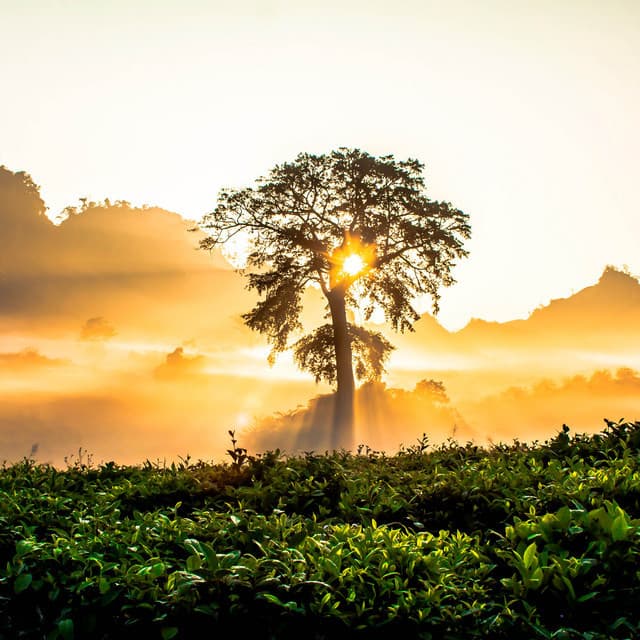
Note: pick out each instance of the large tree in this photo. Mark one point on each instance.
(358, 227)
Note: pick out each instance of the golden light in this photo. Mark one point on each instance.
(353, 264)
(352, 259)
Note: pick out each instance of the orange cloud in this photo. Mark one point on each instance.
(178, 365)
(97, 328)
(28, 358)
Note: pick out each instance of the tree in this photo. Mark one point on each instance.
(358, 227)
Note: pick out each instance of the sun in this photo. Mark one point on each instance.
(353, 264)
(351, 260)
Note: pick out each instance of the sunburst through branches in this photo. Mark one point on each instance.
(352, 259)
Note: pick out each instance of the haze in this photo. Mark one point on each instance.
(118, 336)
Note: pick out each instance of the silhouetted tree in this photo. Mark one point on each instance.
(21, 206)
(432, 390)
(360, 228)
(25, 230)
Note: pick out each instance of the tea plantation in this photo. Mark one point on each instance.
(453, 542)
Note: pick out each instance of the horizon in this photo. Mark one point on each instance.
(423, 308)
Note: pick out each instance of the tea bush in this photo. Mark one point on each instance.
(521, 540)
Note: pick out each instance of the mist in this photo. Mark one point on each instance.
(121, 339)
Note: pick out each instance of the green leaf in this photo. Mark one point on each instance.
(622, 621)
(619, 528)
(65, 628)
(530, 555)
(23, 547)
(169, 632)
(104, 585)
(270, 597)
(193, 563)
(22, 582)
(569, 586)
(534, 581)
(564, 517)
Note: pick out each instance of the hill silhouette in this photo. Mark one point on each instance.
(106, 257)
(604, 316)
(136, 267)
(611, 307)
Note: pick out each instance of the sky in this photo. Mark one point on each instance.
(113, 329)
(525, 115)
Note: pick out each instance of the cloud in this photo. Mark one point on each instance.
(538, 410)
(178, 365)
(28, 358)
(97, 328)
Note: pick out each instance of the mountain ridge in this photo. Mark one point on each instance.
(603, 314)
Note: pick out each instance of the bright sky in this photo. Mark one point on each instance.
(525, 113)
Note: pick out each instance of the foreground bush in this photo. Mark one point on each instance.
(527, 541)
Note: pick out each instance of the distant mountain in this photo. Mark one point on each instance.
(604, 316)
(137, 267)
(613, 297)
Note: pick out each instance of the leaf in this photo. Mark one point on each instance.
(270, 597)
(65, 628)
(169, 632)
(619, 528)
(193, 563)
(530, 555)
(23, 547)
(570, 589)
(22, 582)
(536, 577)
(564, 517)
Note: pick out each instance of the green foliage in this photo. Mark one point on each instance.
(314, 353)
(526, 541)
(237, 454)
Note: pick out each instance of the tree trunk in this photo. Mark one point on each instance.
(342, 427)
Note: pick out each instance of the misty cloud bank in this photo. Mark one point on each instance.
(118, 336)
(389, 418)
